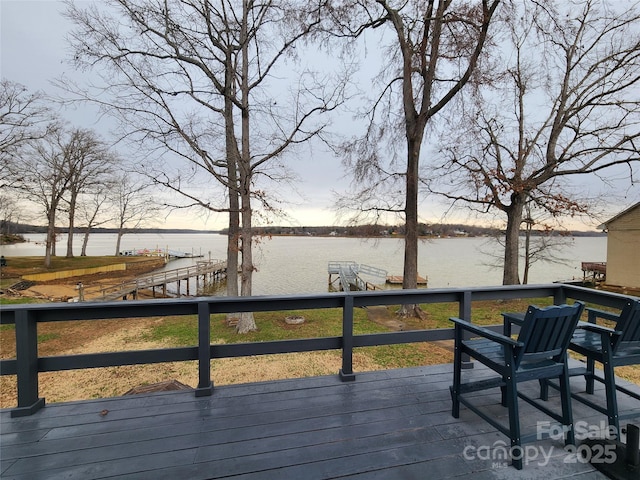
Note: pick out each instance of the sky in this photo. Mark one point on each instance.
(33, 51)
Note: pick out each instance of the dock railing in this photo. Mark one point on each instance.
(26, 318)
(143, 282)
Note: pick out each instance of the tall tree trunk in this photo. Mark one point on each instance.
(410, 270)
(512, 241)
(72, 215)
(54, 239)
(247, 322)
(232, 153)
(85, 241)
(50, 242)
(120, 233)
(527, 254)
(233, 243)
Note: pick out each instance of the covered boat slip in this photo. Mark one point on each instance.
(384, 425)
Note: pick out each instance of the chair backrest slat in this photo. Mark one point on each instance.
(546, 332)
(628, 324)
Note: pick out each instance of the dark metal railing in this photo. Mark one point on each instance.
(26, 318)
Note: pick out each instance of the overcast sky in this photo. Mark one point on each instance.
(33, 52)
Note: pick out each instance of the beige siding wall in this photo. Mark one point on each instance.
(623, 250)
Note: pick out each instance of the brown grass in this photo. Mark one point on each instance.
(128, 335)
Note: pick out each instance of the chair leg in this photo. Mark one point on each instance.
(565, 400)
(514, 421)
(544, 390)
(457, 369)
(589, 375)
(610, 392)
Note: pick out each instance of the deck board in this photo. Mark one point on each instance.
(386, 424)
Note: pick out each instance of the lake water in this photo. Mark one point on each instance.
(287, 265)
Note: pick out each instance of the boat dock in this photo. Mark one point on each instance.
(349, 275)
(594, 272)
(398, 279)
(158, 252)
(204, 273)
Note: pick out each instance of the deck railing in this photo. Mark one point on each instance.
(26, 318)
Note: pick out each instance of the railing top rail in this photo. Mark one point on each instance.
(187, 306)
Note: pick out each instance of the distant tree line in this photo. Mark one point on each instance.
(424, 230)
(431, 230)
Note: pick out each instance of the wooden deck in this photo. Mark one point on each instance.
(385, 425)
(398, 279)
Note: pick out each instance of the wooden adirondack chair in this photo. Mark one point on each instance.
(612, 347)
(538, 353)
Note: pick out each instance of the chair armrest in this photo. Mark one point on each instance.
(514, 317)
(594, 312)
(485, 333)
(511, 318)
(592, 327)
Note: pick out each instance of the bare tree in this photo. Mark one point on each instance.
(566, 105)
(8, 212)
(435, 50)
(191, 79)
(544, 242)
(24, 117)
(88, 162)
(40, 175)
(132, 204)
(91, 211)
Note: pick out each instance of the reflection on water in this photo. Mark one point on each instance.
(288, 265)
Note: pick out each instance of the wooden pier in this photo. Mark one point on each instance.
(158, 252)
(204, 273)
(398, 279)
(594, 272)
(348, 273)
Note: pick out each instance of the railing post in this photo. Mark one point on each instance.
(346, 372)
(27, 364)
(464, 312)
(559, 296)
(205, 385)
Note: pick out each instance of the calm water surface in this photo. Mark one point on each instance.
(299, 264)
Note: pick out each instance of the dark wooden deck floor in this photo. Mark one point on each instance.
(386, 425)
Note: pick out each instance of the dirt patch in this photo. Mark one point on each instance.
(382, 316)
(66, 289)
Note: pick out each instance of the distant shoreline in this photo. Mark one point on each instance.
(362, 231)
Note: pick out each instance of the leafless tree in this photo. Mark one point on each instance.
(8, 212)
(544, 241)
(87, 163)
(195, 80)
(24, 117)
(566, 104)
(433, 51)
(91, 210)
(132, 204)
(40, 176)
